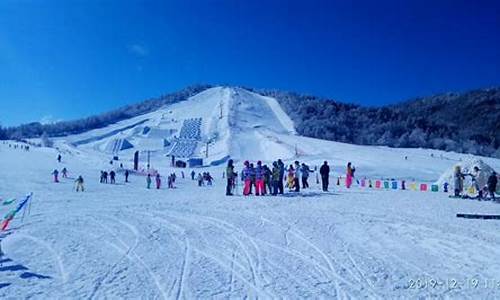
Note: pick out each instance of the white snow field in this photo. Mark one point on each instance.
(125, 241)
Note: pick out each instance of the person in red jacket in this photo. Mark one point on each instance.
(349, 175)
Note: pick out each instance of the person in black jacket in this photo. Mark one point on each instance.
(325, 174)
(112, 176)
(231, 176)
(492, 184)
(281, 168)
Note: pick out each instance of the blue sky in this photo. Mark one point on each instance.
(69, 59)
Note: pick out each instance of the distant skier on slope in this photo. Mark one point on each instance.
(59, 157)
(79, 184)
(324, 171)
(192, 174)
(200, 179)
(126, 175)
(148, 181)
(158, 181)
(64, 173)
(55, 173)
(112, 176)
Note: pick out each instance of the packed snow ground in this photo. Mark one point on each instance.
(124, 241)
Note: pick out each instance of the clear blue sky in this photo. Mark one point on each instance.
(73, 58)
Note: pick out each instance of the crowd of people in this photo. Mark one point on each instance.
(204, 178)
(260, 179)
(483, 188)
(21, 146)
(111, 175)
(265, 180)
(78, 181)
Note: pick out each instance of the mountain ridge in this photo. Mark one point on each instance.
(467, 122)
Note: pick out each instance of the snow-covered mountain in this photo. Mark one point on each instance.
(242, 125)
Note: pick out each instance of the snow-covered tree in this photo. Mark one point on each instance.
(45, 140)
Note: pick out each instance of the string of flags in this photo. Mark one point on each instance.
(402, 185)
(22, 205)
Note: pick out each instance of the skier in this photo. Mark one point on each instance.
(192, 174)
(492, 184)
(317, 174)
(246, 177)
(290, 178)
(231, 176)
(158, 181)
(252, 178)
(267, 180)
(297, 176)
(281, 167)
(259, 179)
(476, 176)
(112, 175)
(105, 177)
(275, 177)
(208, 177)
(349, 175)
(79, 184)
(305, 175)
(64, 172)
(59, 157)
(126, 175)
(56, 174)
(182, 174)
(170, 182)
(325, 175)
(148, 181)
(200, 179)
(458, 178)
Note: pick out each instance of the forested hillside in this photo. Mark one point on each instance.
(467, 122)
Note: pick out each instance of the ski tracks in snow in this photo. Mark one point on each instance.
(127, 251)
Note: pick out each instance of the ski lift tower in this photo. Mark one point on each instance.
(207, 142)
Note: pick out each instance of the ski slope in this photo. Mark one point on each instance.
(124, 241)
(128, 242)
